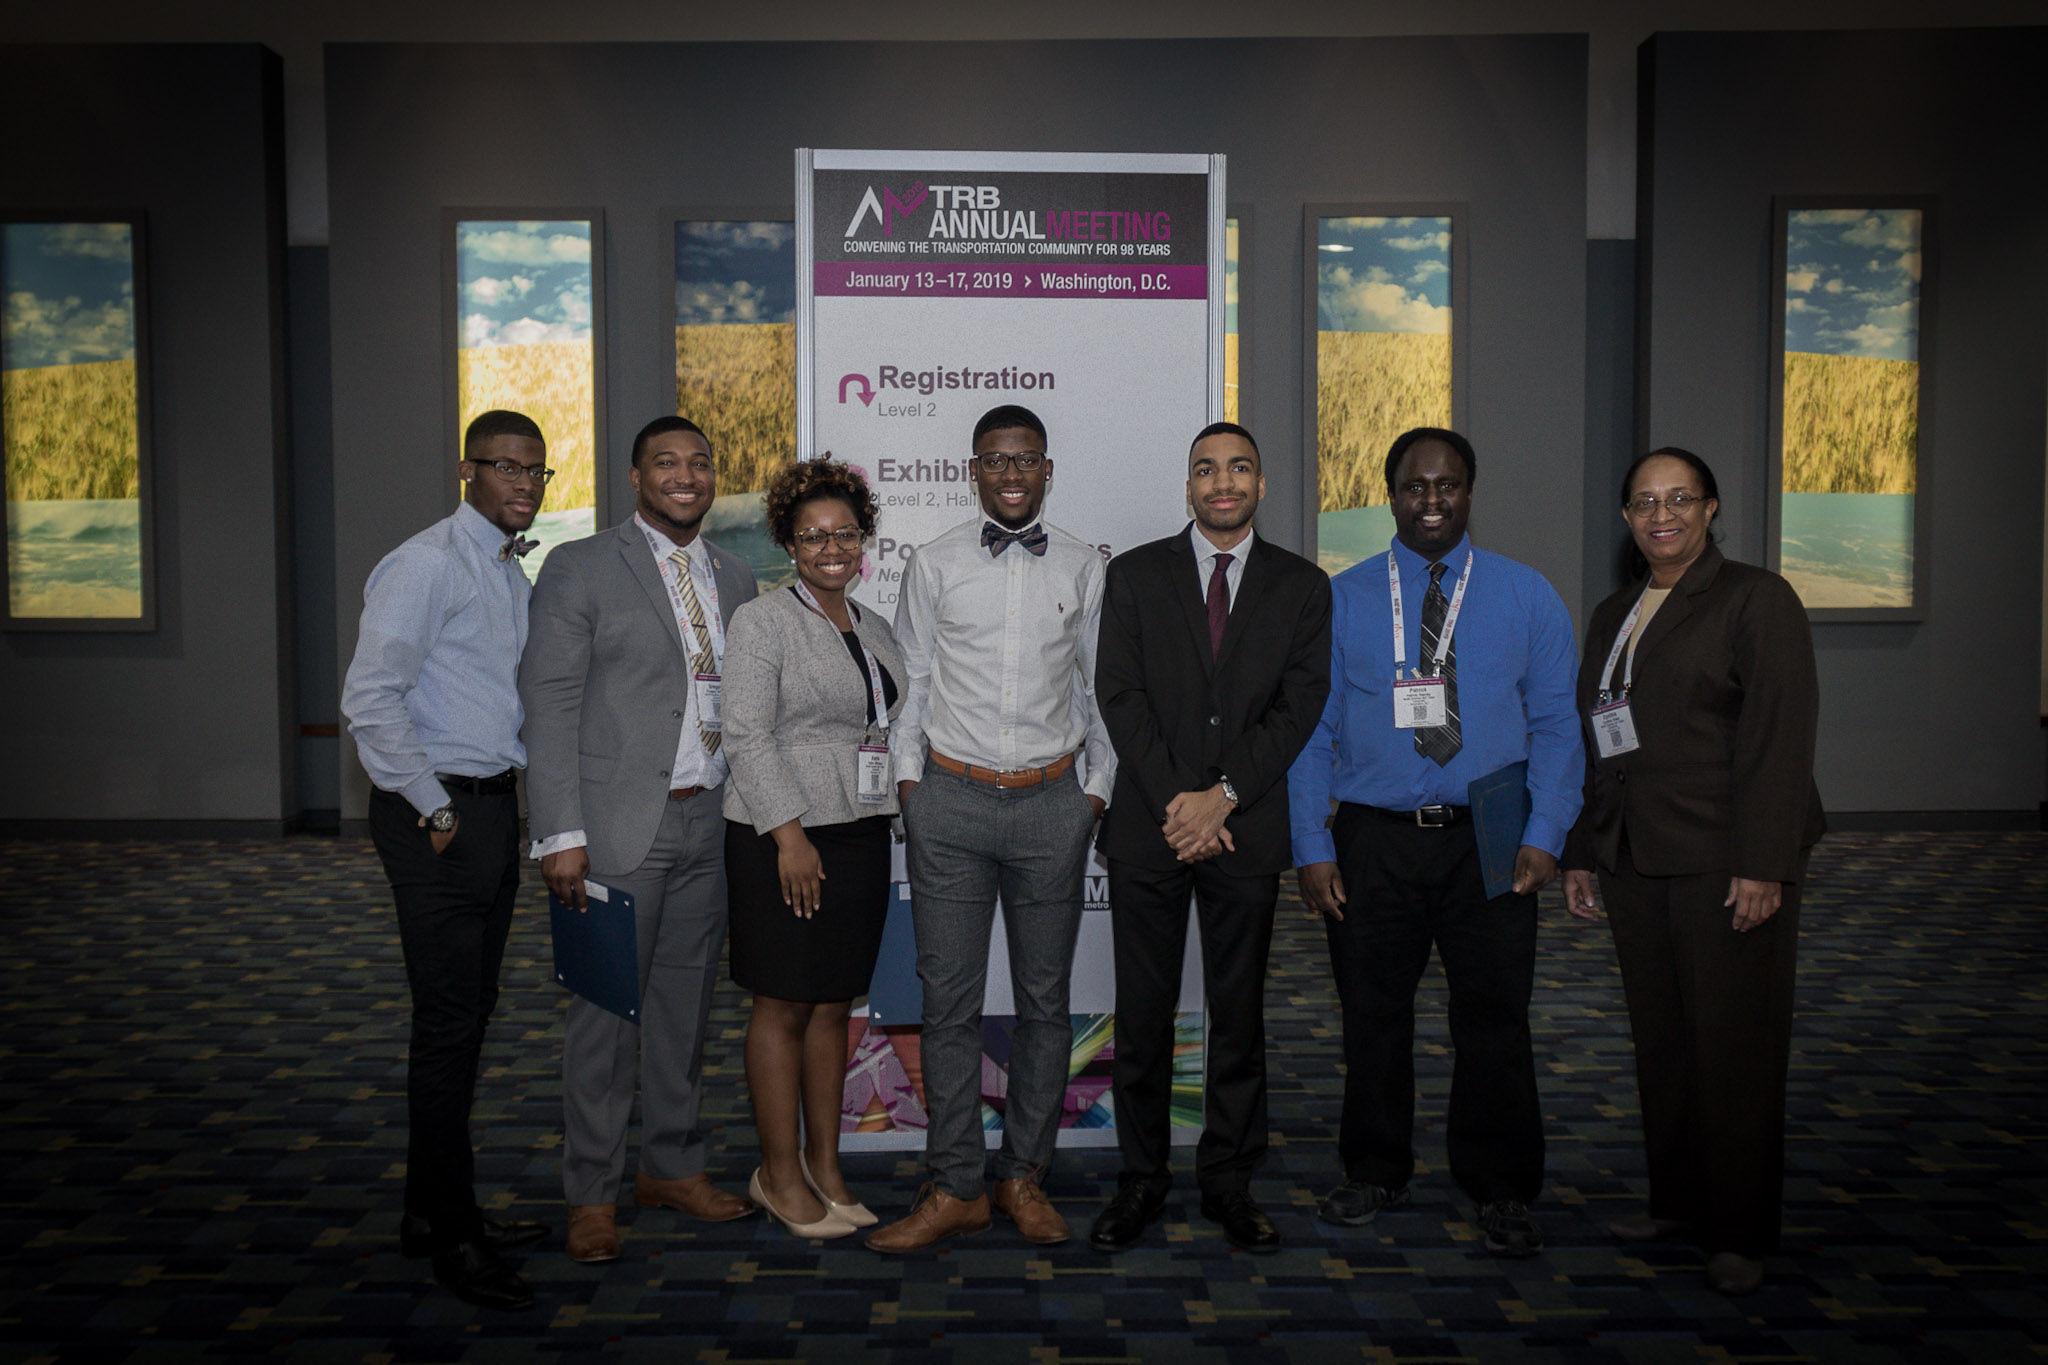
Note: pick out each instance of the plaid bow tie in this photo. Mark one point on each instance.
(515, 545)
(997, 540)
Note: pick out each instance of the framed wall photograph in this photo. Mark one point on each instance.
(1383, 289)
(1236, 240)
(1850, 383)
(734, 287)
(526, 332)
(74, 420)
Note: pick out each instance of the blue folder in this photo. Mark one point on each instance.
(1500, 812)
(597, 951)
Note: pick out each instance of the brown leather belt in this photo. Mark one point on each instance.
(683, 793)
(1005, 777)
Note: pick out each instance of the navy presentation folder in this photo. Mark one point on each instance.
(597, 952)
(1500, 812)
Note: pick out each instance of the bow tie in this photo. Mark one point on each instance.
(997, 540)
(515, 545)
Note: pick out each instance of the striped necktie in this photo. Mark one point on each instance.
(1440, 742)
(701, 658)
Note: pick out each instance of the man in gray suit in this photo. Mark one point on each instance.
(620, 683)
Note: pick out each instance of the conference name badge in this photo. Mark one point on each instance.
(710, 691)
(1614, 729)
(1421, 703)
(874, 774)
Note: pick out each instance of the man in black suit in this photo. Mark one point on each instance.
(1213, 666)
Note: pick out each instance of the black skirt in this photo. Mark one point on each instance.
(830, 956)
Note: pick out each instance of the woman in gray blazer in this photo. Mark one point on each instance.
(811, 683)
(1700, 706)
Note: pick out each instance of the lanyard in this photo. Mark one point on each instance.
(1628, 627)
(1443, 643)
(869, 664)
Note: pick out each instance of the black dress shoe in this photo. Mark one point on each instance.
(1245, 1225)
(1124, 1218)
(416, 1236)
(473, 1273)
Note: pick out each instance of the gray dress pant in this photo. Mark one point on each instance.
(678, 892)
(968, 842)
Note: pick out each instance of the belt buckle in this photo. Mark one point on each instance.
(1433, 817)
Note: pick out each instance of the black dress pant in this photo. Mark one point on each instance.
(1711, 1013)
(1148, 922)
(454, 912)
(1408, 887)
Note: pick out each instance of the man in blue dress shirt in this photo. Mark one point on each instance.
(1447, 664)
(433, 703)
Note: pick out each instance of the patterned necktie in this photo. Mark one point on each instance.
(1440, 742)
(701, 658)
(997, 540)
(1219, 604)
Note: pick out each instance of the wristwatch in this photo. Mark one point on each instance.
(442, 820)
(1229, 792)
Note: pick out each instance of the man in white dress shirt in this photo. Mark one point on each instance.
(997, 623)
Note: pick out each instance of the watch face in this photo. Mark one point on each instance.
(442, 820)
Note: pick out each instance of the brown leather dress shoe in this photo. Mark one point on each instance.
(1036, 1219)
(935, 1215)
(693, 1194)
(593, 1233)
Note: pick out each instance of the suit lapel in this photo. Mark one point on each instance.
(1678, 607)
(640, 564)
(1194, 607)
(1250, 589)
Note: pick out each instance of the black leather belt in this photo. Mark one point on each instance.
(1429, 817)
(503, 784)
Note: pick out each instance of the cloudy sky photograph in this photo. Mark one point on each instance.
(523, 282)
(1852, 282)
(735, 272)
(1384, 275)
(69, 291)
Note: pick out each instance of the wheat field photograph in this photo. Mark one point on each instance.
(70, 421)
(1850, 405)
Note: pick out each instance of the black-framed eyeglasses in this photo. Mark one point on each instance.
(1025, 460)
(511, 470)
(846, 537)
(1644, 505)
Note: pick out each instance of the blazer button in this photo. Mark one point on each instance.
(676, 714)
(1215, 720)
(1621, 777)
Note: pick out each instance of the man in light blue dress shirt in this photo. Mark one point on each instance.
(433, 704)
(1481, 650)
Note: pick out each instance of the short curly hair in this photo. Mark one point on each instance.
(803, 481)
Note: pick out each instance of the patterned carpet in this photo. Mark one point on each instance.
(203, 1100)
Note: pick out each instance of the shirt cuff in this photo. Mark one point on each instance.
(426, 793)
(1547, 835)
(556, 843)
(1314, 846)
(909, 764)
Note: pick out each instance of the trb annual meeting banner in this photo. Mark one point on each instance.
(931, 287)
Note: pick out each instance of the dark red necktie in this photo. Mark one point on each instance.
(1219, 603)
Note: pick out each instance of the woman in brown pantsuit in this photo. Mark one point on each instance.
(1700, 706)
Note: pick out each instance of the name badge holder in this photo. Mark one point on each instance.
(1614, 727)
(871, 757)
(1423, 701)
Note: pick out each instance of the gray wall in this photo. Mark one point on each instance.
(191, 722)
(1731, 119)
(1497, 123)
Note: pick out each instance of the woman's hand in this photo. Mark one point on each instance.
(1579, 896)
(797, 864)
(1754, 902)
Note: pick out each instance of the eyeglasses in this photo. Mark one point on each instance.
(511, 470)
(1024, 460)
(1643, 505)
(846, 537)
